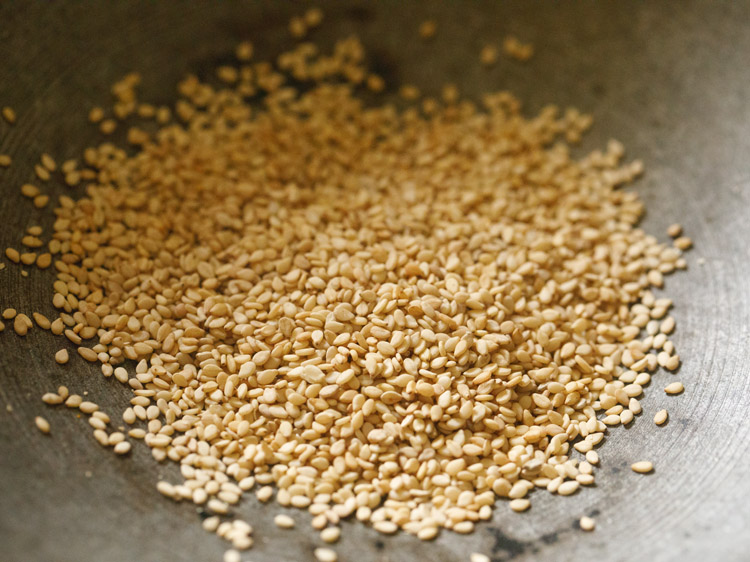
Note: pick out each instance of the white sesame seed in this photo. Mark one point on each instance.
(642, 467)
(283, 521)
(674, 388)
(587, 523)
(42, 424)
(325, 555)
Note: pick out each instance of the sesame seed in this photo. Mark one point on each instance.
(232, 555)
(330, 534)
(42, 424)
(9, 114)
(513, 48)
(488, 55)
(674, 388)
(642, 467)
(5, 160)
(587, 523)
(61, 356)
(427, 29)
(283, 521)
(661, 417)
(325, 555)
(519, 505)
(122, 448)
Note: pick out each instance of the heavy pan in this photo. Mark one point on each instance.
(671, 80)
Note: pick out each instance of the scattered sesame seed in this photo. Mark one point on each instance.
(674, 230)
(661, 417)
(642, 467)
(232, 555)
(587, 523)
(330, 534)
(674, 388)
(513, 48)
(42, 424)
(325, 555)
(283, 521)
(313, 17)
(5, 160)
(61, 356)
(9, 115)
(488, 55)
(427, 29)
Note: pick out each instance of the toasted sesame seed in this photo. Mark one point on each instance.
(488, 55)
(642, 467)
(568, 488)
(427, 29)
(61, 356)
(325, 555)
(661, 417)
(48, 162)
(5, 160)
(88, 407)
(674, 388)
(520, 504)
(42, 424)
(9, 114)
(264, 494)
(683, 243)
(313, 17)
(587, 523)
(88, 354)
(330, 534)
(52, 398)
(517, 50)
(283, 521)
(21, 324)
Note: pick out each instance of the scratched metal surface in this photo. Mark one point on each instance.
(669, 79)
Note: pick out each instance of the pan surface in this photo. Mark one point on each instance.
(670, 80)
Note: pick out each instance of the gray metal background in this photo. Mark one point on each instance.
(669, 79)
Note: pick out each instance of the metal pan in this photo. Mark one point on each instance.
(671, 80)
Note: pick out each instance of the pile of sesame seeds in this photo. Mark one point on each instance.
(393, 313)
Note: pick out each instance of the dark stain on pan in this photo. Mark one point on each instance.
(505, 548)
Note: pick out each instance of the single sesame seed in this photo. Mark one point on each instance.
(325, 555)
(9, 114)
(42, 424)
(661, 417)
(519, 505)
(642, 467)
(283, 521)
(488, 55)
(427, 29)
(232, 555)
(587, 523)
(674, 388)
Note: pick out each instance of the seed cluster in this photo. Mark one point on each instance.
(395, 314)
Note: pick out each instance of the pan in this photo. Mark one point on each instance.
(670, 80)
